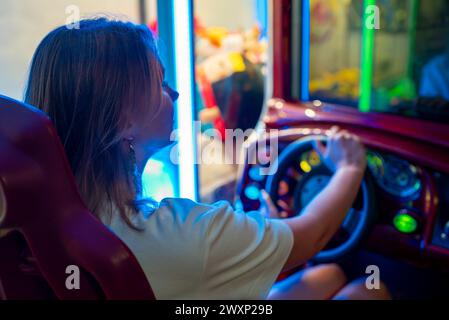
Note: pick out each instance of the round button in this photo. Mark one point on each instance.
(405, 222)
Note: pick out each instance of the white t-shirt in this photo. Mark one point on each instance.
(195, 251)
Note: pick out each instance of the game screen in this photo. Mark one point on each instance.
(335, 50)
(405, 64)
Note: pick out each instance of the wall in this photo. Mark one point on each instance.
(23, 24)
(231, 14)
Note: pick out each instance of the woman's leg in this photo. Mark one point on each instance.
(315, 283)
(357, 290)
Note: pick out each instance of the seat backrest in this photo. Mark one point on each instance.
(46, 232)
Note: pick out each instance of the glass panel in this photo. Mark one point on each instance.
(231, 56)
(335, 44)
(411, 55)
(30, 21)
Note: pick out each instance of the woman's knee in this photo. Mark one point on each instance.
(329, 276)
(382, 293)
(358, 290)
(315, 283)
(329, 273)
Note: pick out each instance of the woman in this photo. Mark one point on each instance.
(102, 86)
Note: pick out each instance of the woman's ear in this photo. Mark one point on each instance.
(129, 132)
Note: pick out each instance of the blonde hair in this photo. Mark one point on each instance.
(87, 80)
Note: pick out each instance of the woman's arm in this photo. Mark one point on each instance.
(322, 218)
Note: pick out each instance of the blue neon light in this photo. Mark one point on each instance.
(305, 51)
(254, 173)
(184, 66)
(252, 192)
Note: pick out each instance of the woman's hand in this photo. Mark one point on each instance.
(267, 207)
(343, 150)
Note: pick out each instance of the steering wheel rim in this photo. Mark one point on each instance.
(366, 216)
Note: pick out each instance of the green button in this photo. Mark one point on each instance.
(405, 223)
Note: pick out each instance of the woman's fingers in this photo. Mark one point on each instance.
(267, 206)
(334, 130)
(319, 147)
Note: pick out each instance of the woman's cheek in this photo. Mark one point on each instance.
(169, 115)
(161, 127)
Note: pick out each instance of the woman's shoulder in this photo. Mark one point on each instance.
(186, 221)
(183, 209)
(208, 219)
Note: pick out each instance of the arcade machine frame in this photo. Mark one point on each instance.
(413, 230)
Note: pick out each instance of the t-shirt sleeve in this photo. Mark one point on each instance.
(245, 252)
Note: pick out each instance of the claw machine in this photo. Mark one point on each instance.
(345, 59)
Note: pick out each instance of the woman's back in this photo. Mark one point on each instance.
(194, 251)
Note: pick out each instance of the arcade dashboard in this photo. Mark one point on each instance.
(407, 194)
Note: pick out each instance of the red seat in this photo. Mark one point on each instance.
(47, 226)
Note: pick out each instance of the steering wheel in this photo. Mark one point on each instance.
(360, 218)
